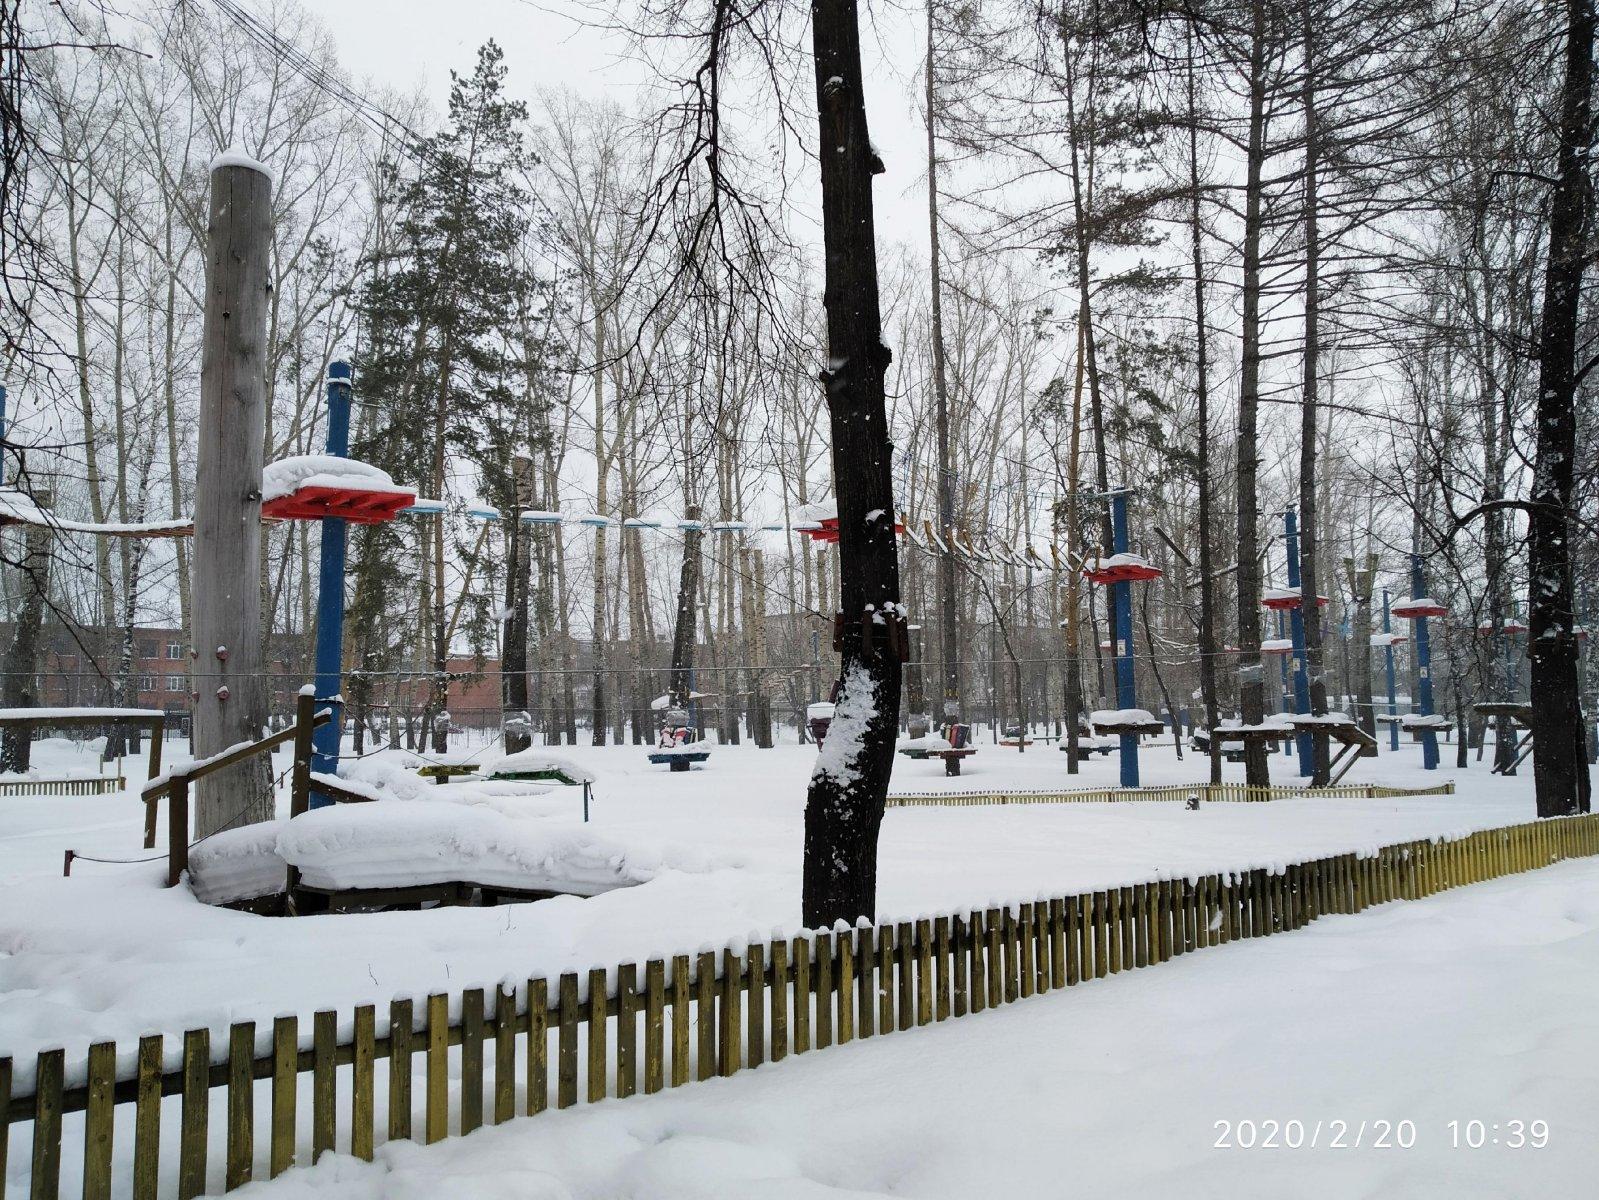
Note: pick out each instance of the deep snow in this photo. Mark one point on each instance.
(111, 954)
(1475, 1004)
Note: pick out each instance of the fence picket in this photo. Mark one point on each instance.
(196, 1113)
(595, 1035)
(627, 1011)
(285, 1092)
(755, 1006)
(654, 1026)
(905, 968)
(705, 1016)
(941, 963)
(241, 1106)
(363, 1083)
(401, 1030)
(728, 1041)
(959, 950)
(682, 1000)
(865, 983)
(147, 1119)
(822, 977)
(566, 1043)
(505, 1023)
(538, 1046)
(801, 950)
(98, 1119)
(437, 1125)
(780, 999)
(471, 1060)
(324, 1097)
(48, 1073)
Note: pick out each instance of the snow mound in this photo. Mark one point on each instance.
(394, 845)
(539, 760)
(238, 864)
(1122, 716)
(929, 741)
(289, 475)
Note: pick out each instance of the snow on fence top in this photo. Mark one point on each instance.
(85, 714)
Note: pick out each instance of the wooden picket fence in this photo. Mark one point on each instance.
(85, 785)
(708, 1016)
(1227, 792)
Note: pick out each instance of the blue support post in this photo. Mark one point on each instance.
(1282, 691)
(1121, 600)
(1429, 738)
(1388, 662)
(1296, 633)
(330, 596)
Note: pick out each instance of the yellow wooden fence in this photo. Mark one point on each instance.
(1227, 792)
(623, 1031)
(83, 785)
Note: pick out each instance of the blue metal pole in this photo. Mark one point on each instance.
(1121, 599)
(1388, 659)
(1282, 668)
(1429, 738)
(1296, 633)
(330, 595)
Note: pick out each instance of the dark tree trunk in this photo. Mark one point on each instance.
(844, 807)
(515, 719)
(1560, 760)
(683, 628)
(1251, 671)
(1309, 424)
(1208, 648)
(22, 655)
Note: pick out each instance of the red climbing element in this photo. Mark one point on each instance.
(359, 506)
(1421, 606)
(1286, 599)
(1121, 568)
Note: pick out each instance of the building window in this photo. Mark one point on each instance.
(174, 651)
(177, 683)
(149, 650)
(147, 683)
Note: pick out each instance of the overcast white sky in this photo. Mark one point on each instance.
(409, 44)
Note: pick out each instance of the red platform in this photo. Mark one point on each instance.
(1110, 571)
(1411, 610)
(1287, 603)
(359, 506)
(827, 530)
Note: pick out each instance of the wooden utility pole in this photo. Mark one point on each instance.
(228, 686)
(684, 633)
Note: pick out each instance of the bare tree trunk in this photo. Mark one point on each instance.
(1310, 421)
(22, 653)
(1251, 671)
(1560, 757)
(844, 807)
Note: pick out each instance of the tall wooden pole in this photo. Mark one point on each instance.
(229, 690)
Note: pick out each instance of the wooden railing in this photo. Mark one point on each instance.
(707, 1016)
(1226, 792)
(175, 784)
(83, 785)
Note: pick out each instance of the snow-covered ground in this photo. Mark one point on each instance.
(1365, 1035)
(111, 954)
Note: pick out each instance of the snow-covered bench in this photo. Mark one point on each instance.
(537, 766)
(396, 852)
(680, 758)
